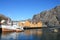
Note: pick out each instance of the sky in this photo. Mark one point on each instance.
(25, 9)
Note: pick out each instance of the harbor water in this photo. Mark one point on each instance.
(30, 34)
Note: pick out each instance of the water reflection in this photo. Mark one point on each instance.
(48, 35)
(0, 36)
(58, 36)
(8, 36)
(30, 35)
(36, 34)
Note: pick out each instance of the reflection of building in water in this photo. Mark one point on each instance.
(8, 36)
(33, 32)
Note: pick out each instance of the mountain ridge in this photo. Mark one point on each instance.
(49, 18)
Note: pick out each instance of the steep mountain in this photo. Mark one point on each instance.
(49, 18)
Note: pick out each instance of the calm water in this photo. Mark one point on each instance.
(33, 34)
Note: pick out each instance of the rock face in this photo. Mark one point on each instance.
(49, 18)
(3, 17)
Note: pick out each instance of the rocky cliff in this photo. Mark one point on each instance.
(49, 18)
(3, 17)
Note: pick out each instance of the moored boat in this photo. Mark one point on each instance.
(9, 28)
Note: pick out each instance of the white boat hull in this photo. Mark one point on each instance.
(14, 28)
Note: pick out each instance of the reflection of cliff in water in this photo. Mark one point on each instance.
(48, 35)
(58, 36)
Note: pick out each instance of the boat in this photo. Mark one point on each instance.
(12, 28)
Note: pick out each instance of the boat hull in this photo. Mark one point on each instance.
(9, 30)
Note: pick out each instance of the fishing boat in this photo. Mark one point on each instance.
(10, 28)
(13, 28)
